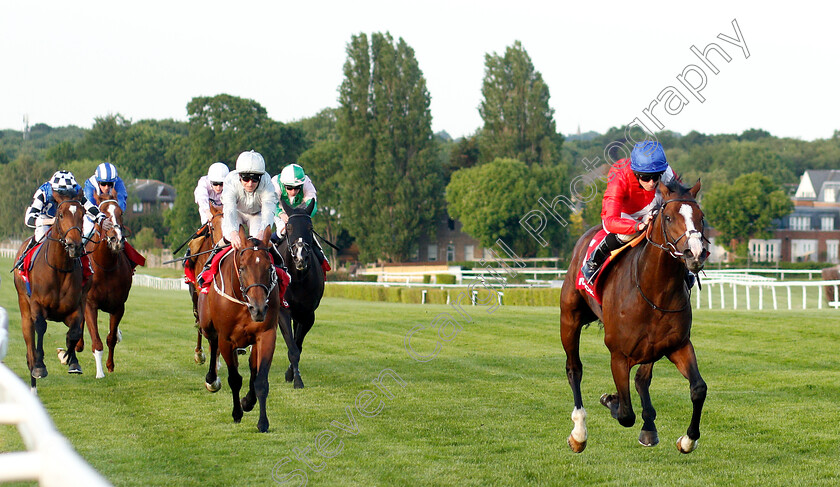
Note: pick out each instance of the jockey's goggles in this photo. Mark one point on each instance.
(250, 176)
(217, 184)
(647, 177)
(106, 183)
(292, 188)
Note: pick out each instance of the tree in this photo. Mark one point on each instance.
(392, 178)
(491, 199)
(518, 122)
(103, 141)
(746, 208)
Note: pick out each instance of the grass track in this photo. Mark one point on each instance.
(491, 409)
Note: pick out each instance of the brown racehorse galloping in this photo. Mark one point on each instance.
(646, 313)
(242, 308)
(210, 234)
(56, 283)
(110, 283)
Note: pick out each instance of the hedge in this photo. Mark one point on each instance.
(414, 295)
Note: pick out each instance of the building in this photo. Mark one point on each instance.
(812, 232)
(149, 195)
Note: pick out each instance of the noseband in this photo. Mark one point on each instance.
(305, 247)
(671, 246)
(272, 272)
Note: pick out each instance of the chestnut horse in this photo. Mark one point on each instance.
(110, 283)
(646, 314)
(210, 233)
(242, 308)
(307, 286)
(56, 283)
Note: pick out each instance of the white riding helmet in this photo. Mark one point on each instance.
(292, 175)
(250, 162)
(217, 172)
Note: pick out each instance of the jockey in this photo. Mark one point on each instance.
(629, 199)
(103, 180)
(209, 188)
(248, 198)
(41, 213)
(295, 188)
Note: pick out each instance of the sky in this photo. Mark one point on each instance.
(65, 63)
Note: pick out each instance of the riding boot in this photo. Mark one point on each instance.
(219, 246)
(322, 259)
(599, 256)
(19, 263)
(279, 261)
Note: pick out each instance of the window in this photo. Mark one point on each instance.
(832, 248)
(800, 223)
(450, 253)
(765, 250)
(827, 223)
(137, 207)
(830, 195)
(469, 252)
(432, 252)
(802, 250)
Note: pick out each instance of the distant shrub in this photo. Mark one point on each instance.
(445, 279)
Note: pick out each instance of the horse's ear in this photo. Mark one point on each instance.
(243, 235)
(113, 193)
(663, 189)
(695, 189)
(309, 206)
(266, 240)
(286, 208)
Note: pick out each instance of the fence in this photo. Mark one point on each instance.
(753, 291)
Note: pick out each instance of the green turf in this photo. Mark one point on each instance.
(493, 408)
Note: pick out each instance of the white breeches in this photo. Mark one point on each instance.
(252, 222)
(40, 231)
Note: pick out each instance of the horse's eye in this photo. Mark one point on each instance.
(668, 219)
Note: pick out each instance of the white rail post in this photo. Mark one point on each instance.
(760, 298)
(734, 296)
(747, 292)
(722, 292)
(803, 297)
(775, 305)
(819, 298)
(423, 300)
(500, 294)
(790, 298)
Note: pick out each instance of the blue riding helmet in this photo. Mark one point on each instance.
(106, 173)
(648, 157)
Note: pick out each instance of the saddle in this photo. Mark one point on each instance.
(594, 289)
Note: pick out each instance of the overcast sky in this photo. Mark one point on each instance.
(64, 63)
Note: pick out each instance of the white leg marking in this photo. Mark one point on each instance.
(687, 445)
(579, 432)
(97, 357)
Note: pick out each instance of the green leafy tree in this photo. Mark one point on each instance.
(104, 140)
(491, 199)
(392, 177)
(148, 150)
(518, 121)
(746, 208)
(23, 176)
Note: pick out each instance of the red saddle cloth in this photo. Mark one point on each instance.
(283, 277)
(208, 275)
(134, 256)
(29, 259)
(593, 289)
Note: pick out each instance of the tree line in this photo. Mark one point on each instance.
(384, 179)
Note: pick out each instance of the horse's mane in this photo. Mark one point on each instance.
(675, 186)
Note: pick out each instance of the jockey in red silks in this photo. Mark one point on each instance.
(628, 201)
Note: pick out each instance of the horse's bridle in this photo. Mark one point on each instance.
(63, 239)
(273, 273)
(670, 247)
(305, 247)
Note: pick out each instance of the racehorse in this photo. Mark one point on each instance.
(646, 314)
(210, 233)
(307, 286)
(111, 280)
(56, 283)
(242, 308)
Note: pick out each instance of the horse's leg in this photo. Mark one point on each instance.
(571, 323)
(264, 349)
(113, 335)
(234, 378)
(648, 436)
(75, 325)
(302, 326)
(199, 352)
(619, 403)
(290, 373)
(686, 363)
(211, 380)
(250, 398)
(284, 322)
(91, 318)
(33, 326)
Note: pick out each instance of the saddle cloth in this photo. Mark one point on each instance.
(283, 277)
(134, 256)
(594, 289)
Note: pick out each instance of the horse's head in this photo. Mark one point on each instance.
(680, 227)
(215, 222)
(109, 206)
(299, 233)
(257, 277)
(67, 229)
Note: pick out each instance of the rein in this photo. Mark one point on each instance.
(62, 240)
(244, 290)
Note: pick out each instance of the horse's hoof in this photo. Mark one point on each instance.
(39, 372)
(648, 438)
(607, 400)
(200, 357)
(298, 383)
(215, 386)
(290, 374)
(241, 351)
(74, 369)
(262, 428)
(62, 356)
(237, 416)
(247, 405)
(686, 444)
(576, 446)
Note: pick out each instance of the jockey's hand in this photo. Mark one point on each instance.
(107, 225)
(235, 241)
(645, 222)
(283, 216)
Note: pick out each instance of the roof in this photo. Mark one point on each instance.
(152, 190)
(818, 179)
